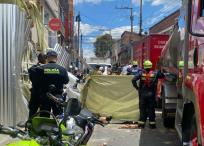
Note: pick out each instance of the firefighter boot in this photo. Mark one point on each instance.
(141, 124)
(152, 125)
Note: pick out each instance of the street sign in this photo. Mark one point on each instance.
(55, 24)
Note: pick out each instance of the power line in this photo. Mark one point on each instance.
(169, 3)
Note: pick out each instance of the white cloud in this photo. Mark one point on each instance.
(89, 1)
(88, 29)
(88, 52)
(167, 9)
(116, 32)
(137, 2)
(91, 39)
(159, 2)
(155, 2)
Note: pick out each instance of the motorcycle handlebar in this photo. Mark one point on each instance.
(55, 99)
(95, 121)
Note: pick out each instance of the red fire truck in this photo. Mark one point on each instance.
(149, 48)
(183, 88)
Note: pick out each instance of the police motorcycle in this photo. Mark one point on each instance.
(79, 127)
(43, 131)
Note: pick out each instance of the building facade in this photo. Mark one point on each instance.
(115, 51)
(165, 26)
(125, 55)
(50, 10)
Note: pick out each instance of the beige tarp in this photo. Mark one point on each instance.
(111, 95)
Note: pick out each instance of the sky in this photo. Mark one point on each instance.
(102, 16)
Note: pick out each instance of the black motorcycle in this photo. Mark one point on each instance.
(80, 126)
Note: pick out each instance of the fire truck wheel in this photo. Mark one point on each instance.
(168, 122)
(159, 103)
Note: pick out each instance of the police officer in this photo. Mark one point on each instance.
(52, 74)
(34, 102)
(147, 92)
(134, 69)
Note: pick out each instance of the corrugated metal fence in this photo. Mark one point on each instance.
(14, 30)
(63, 56)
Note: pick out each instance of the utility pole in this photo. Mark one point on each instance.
(78, 19)
(81, 52)
(140, 22)
(131, 14)
(131, 24)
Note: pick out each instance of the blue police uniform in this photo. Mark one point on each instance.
(133, 70)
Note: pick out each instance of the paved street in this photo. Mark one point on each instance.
(113, 136)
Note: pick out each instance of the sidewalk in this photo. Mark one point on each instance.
(5, 139)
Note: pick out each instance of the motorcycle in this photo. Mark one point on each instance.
(73, 128)
(47, 135)
(82, 124)
(43, 131)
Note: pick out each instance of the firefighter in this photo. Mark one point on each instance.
(134, 69)
(147, 92)
(181, 66)
(34, 102)
(52, 74)
(180, 78)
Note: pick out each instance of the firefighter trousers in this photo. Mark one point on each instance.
(147, 108)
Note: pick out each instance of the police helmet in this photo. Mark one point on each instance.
(147, 64)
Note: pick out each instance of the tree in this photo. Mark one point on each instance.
(103, 45)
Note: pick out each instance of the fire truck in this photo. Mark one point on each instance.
(183, 88)
(149, 48)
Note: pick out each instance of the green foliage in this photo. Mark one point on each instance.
(103, 44)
